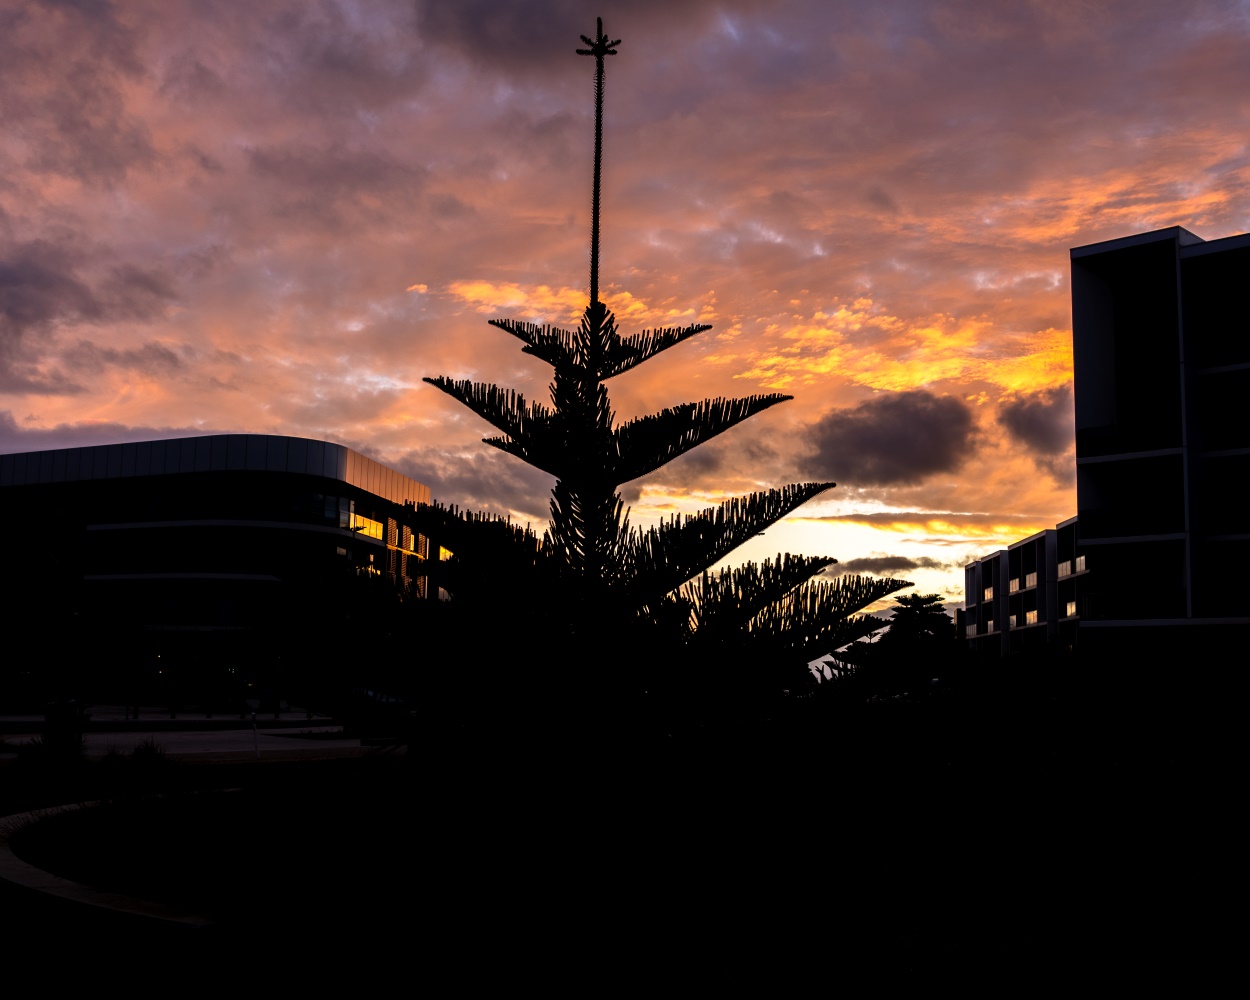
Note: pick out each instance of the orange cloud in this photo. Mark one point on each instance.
(870, 347)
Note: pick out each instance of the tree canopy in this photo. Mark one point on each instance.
(607, 583)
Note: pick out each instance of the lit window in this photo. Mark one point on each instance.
(989, 593)
(1030, 618)
(1071, 608)
(365, 526)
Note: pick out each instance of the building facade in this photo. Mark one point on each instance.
(206, 554)
(1155, 555)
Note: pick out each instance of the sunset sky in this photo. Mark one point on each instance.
(277, 217)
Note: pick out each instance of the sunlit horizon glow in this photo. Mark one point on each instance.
(280, 221)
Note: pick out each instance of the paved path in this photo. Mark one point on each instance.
(288, 733)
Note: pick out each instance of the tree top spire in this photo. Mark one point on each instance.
(601, 46)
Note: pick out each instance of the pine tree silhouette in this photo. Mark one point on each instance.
(620, 585)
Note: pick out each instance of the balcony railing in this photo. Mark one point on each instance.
(1065, 568)
(1030, 580)
(1013, 586)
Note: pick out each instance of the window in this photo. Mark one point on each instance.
(365, 526)
(1080, 564)
(989, 593)
(1030, 580)
(1065, 568)
(1013, 586)
(1071, 609)
(1030, 618)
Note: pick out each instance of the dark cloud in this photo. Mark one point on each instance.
(332, 169)
(39, 287)
(892, 439)
(329, 186)
(63, 70)
(152, 359)
(1060, 468)
(449, 207)
(15, 437)
(886, 565)
(880, 198)
(481, 479)
(38, 290)
(518, 36)
(346, 57)
(42, 285)
(20, 377)
(889, 518)
(43, 289)
(697, 467)
(1044, 421)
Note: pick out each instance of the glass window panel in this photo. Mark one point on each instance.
(129, 451)
(276, 459)
(45, 467)
(58, 466)
(220, 452)
(143, 458)
(203, 454)
(316, 458)
(237, 458)
(256, 452)
(296, 455)
(186, 455)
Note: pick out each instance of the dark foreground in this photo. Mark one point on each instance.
(905, 839)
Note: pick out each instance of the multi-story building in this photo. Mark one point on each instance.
(1012, 596)
(1161, 351)
(211, 552)
(984, 620)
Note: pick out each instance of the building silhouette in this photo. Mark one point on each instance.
(1155, 556)
(207, 554)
